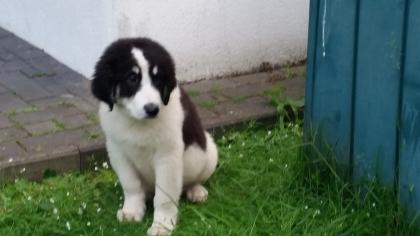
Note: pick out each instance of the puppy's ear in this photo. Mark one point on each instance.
(103, 86)
(166, 89)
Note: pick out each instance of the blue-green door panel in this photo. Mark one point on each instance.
(363, 89)
(331, 80)
(378, 76)
(409, 159)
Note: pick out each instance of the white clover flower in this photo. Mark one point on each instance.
(68, 226)
(84, 205)
(230, 146)
(285, 166)
(88, 223)
(52, 200)
(373, 204)
(55, 211)
(98, 210)
(68, 194)
(80, 211)
(270, 160)
(105, 165)
(29, 198)
(306, 207)
(269, 133)
(96, 168)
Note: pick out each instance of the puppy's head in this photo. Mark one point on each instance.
(135, 74)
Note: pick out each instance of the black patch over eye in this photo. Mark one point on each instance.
(133, 79)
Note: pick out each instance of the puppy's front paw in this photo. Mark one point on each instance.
(197, 193)
(126, 215)
(160, 229)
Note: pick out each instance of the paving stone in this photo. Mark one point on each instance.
(14, 44)
(48, 64)
(14, 66)
(206, 116)
(54, 89)
(248, 90)
(251, 78)
(52, 143)
(294, 88)
(5, 33)
(4, 121)
(72, 122)
(44, 115)
(3, 89)
(10, 102)
(12, 133)
(34, 168)
(41, 128)
(209, 85)
(7, 56)
(31, 53)
(250, 109)
(203, 98)
(22, 86)
(50, 102)
(66, 100)
(91, 136)
(11, 152)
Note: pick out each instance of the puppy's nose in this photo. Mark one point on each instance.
(151, 110)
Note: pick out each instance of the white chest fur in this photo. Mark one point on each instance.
(144, 141)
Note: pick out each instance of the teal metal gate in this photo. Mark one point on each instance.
(363, 88)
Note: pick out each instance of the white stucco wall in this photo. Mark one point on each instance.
(205, 37)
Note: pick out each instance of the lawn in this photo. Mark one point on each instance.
(264, 185)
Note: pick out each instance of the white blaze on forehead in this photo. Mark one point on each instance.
(143, 64)
(141, 60)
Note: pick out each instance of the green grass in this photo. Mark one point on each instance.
(209, 104)
(263, 186)
(41, 74)
(193, 93)
(59, 125)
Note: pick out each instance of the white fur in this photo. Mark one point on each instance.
(149, 156)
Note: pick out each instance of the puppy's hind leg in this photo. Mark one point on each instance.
(197, 192)
(134, 196)
(211, 157)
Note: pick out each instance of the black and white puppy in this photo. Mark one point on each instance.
(154, 138)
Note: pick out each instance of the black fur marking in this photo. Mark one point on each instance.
(192, 130)
(114, 70)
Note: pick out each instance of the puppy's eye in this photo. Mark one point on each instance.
(133, 79)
